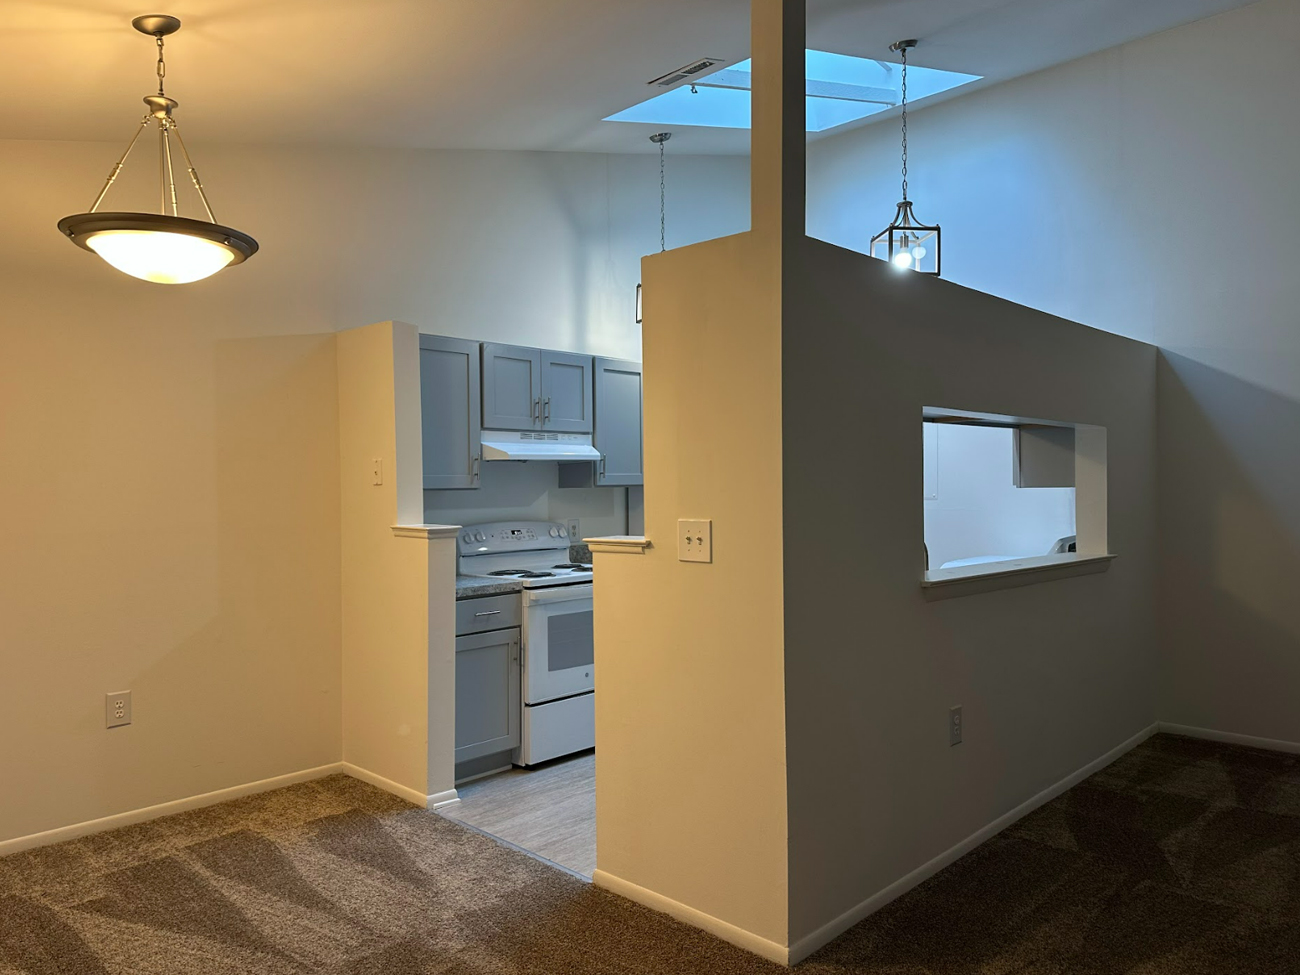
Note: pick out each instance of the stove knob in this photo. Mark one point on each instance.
(467, 538)
(480, 537)
(555, 532)
(564, 533)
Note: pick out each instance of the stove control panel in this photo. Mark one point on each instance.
(512, 536)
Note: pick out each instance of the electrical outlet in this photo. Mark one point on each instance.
(954, 725)
(117, 709)
(377, 471)
(695, 541)
(575, 531)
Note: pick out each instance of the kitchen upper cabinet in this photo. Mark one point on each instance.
(618, 434)
(487, 694)
(449, 411)
(566, 392)
(512, 387)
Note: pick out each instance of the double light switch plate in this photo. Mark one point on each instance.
(694, 541)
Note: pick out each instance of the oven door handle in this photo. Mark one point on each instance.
(559, 594)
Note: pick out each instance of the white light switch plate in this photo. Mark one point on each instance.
(694, 541)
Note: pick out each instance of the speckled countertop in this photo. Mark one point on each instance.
(467, 587)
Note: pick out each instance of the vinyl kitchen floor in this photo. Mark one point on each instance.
(549, 811)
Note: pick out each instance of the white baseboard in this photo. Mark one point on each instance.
(1229, 738)
(77, 830)
(827, 933)
(727, 932)
(413, 796)
(441, 800)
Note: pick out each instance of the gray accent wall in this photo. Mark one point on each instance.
(1051, 676)
(1149, 190)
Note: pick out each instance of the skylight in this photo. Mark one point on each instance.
(841, 89)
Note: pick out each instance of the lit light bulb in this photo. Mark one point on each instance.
(163, 258)
(903, 259)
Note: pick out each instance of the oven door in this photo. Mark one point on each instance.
(559, 646)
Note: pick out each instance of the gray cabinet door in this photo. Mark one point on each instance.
(566, 392)
(487, 694)
(449, 412)
(512, 387)
(618, 422)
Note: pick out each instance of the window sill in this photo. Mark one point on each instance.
(967, 580)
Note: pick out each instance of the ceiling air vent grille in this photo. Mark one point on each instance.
(687, 72)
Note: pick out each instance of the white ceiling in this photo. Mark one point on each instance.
(507, 74)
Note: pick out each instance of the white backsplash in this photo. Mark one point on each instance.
(528, 491)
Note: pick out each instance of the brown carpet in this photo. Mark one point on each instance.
(1182, 857)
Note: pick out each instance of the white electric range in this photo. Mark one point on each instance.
(557, 640)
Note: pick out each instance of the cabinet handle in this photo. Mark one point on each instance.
(537, 409)
(491, 612)
(546, 416)
(602, 466)
(474, 468)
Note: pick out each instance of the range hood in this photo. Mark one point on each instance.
(512, 445)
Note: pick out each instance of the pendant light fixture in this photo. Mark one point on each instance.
(659, 138)
(162, 247)
(907, 243)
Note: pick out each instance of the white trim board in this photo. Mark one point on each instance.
(413, 796)
(827, 933)
(441, 800)
(697, 919)
(130, 818)
(77, 830)
(1231, 738)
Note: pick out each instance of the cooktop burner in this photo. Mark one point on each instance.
(571, 565)
(509, 572)
(535, 575)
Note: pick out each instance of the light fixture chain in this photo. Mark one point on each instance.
(663, 211)
(162, 65)
(904, 53)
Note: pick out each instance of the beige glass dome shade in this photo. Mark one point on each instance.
(158, 247)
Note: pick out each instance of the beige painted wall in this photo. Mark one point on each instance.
(168, 523)
(169, 515)
(689, 718)
(398, 618)
(1149, 190)
(1050, 676)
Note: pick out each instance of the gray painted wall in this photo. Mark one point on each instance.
(1149, 190)
(1051, 676)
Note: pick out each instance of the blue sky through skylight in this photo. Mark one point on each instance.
(841, 89)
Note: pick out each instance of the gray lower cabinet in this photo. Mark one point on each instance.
(618, 430)
(512, 387)
(449, 409)
(487, 693)
(566, 392)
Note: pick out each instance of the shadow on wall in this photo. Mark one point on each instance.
(1230, 548)
(270, 645)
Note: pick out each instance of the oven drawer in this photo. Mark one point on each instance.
(485, 613)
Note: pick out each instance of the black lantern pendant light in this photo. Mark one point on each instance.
(659, 138)
(162, 247)
(907, 243)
